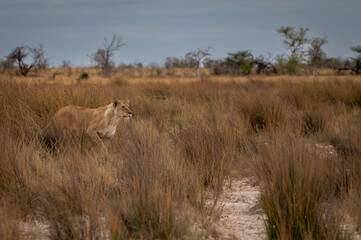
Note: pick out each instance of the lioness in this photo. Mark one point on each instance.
(99, 124)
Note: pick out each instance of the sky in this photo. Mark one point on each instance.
(155, 29)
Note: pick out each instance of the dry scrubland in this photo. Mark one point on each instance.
(300, 137)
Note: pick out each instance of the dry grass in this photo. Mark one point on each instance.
(146, 75)
(185, 138)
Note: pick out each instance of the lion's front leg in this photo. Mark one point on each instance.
(96, 139)
(106, 141)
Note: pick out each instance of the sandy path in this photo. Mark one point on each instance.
(242, 216)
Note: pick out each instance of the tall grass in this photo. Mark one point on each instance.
(146, 186)
(309, 168)
(184, 141)
(297, 183)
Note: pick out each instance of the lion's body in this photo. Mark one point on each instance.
(99, 124)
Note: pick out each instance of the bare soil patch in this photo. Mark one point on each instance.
(242, 216)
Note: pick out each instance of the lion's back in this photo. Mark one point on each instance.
(73, 118)
(67, 123)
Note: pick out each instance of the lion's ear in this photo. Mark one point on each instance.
(115, 103)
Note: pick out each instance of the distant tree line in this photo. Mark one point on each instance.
(192, 59)
(303, 51)
(241, 63)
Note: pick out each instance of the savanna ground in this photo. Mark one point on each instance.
(297, 138)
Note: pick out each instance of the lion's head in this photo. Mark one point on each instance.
(122, 109)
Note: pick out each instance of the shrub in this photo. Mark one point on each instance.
(288, 65)
(84, 76)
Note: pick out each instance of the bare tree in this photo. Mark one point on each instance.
(43, 63)
(346, 66)
(174, 62)
(155, 67)
(315, 53)
(19, 54)
(196, 56)
(67, 65)
(103, 56)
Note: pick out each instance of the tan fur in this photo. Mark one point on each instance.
(99, 124)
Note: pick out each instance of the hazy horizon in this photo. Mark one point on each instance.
(154, 30)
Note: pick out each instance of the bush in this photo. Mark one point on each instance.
(84, 76)
(238, 63)
(287, 65)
